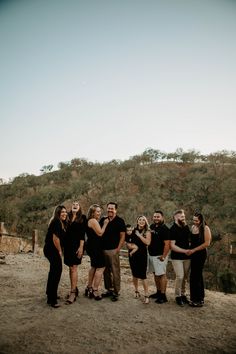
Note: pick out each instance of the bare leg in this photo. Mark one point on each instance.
(98, 277)
(163, 283)
(91, 274)
(73, 270)
(157, 282)
(135, 282)
(145, 288)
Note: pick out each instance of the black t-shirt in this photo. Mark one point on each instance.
(129, 238)
(181, 235)
(55, 228)
(111, 236)
(160, 233)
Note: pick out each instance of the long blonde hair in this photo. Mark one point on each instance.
(91, 210)
(146, 227)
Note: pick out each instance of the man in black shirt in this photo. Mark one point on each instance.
(158, 255)
(112, 241)
(180, 237)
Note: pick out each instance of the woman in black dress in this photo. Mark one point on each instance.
(95, 251)
(141, 236)
(74, 247)
(53, 252)
(200, 240)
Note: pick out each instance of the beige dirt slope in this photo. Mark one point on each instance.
(28, 325)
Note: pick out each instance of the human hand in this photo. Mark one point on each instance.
(79, 252)
(106, 221)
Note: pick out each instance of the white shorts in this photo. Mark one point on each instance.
(156, 266)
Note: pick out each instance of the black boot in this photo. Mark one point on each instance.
(155, 295)
(179, 301)
(161, 299)
(184, 299)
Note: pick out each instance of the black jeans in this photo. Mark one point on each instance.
(54, 274)
(197, 292)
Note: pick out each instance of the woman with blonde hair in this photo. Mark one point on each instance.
(94, 249)
(141, 236)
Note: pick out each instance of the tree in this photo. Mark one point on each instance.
(46, 169)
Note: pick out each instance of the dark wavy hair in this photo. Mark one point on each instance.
(202, 224)
(79, 214)
(56, 215)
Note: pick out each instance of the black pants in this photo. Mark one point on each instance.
(54, 274)
(197, 292)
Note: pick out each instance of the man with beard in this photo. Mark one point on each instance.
(158, 255)
(112, 241)
(180, 239)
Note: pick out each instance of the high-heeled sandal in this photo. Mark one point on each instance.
(96, 296)
(146, 300)
(137, 294)
(88, 292)
(76, 293)
(71, 298)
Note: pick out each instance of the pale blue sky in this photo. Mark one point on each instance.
(106, 79)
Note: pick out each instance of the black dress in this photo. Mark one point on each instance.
(138, 261)
(74, 234)
(198, 259)
(94, 249)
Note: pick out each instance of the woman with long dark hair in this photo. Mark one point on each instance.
(200, 240)
(141, 236)
(74, 247)
(53, 252)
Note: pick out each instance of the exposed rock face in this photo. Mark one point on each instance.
(12, 244)
(2, 258)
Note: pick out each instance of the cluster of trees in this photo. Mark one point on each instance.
(140, 185)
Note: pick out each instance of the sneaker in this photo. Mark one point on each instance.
(179, 301)
(155, 295)
(184, 299)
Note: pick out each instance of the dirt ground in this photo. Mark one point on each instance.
(29, 325)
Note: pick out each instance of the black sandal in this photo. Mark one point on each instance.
(88, 292)
(96, 297)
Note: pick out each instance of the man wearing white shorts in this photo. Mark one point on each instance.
(158, 252)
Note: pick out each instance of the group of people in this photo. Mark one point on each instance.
(149, 248)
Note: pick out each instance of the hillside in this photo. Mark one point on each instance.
(141, 184)
(28, 325)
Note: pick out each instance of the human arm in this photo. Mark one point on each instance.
(166, 250)
(57, 243)
(122, 240)
(94, 224)
(147, 239)
(176, 248)
(205, 244)
(80, 249)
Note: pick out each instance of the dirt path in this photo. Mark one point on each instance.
(28, 325)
